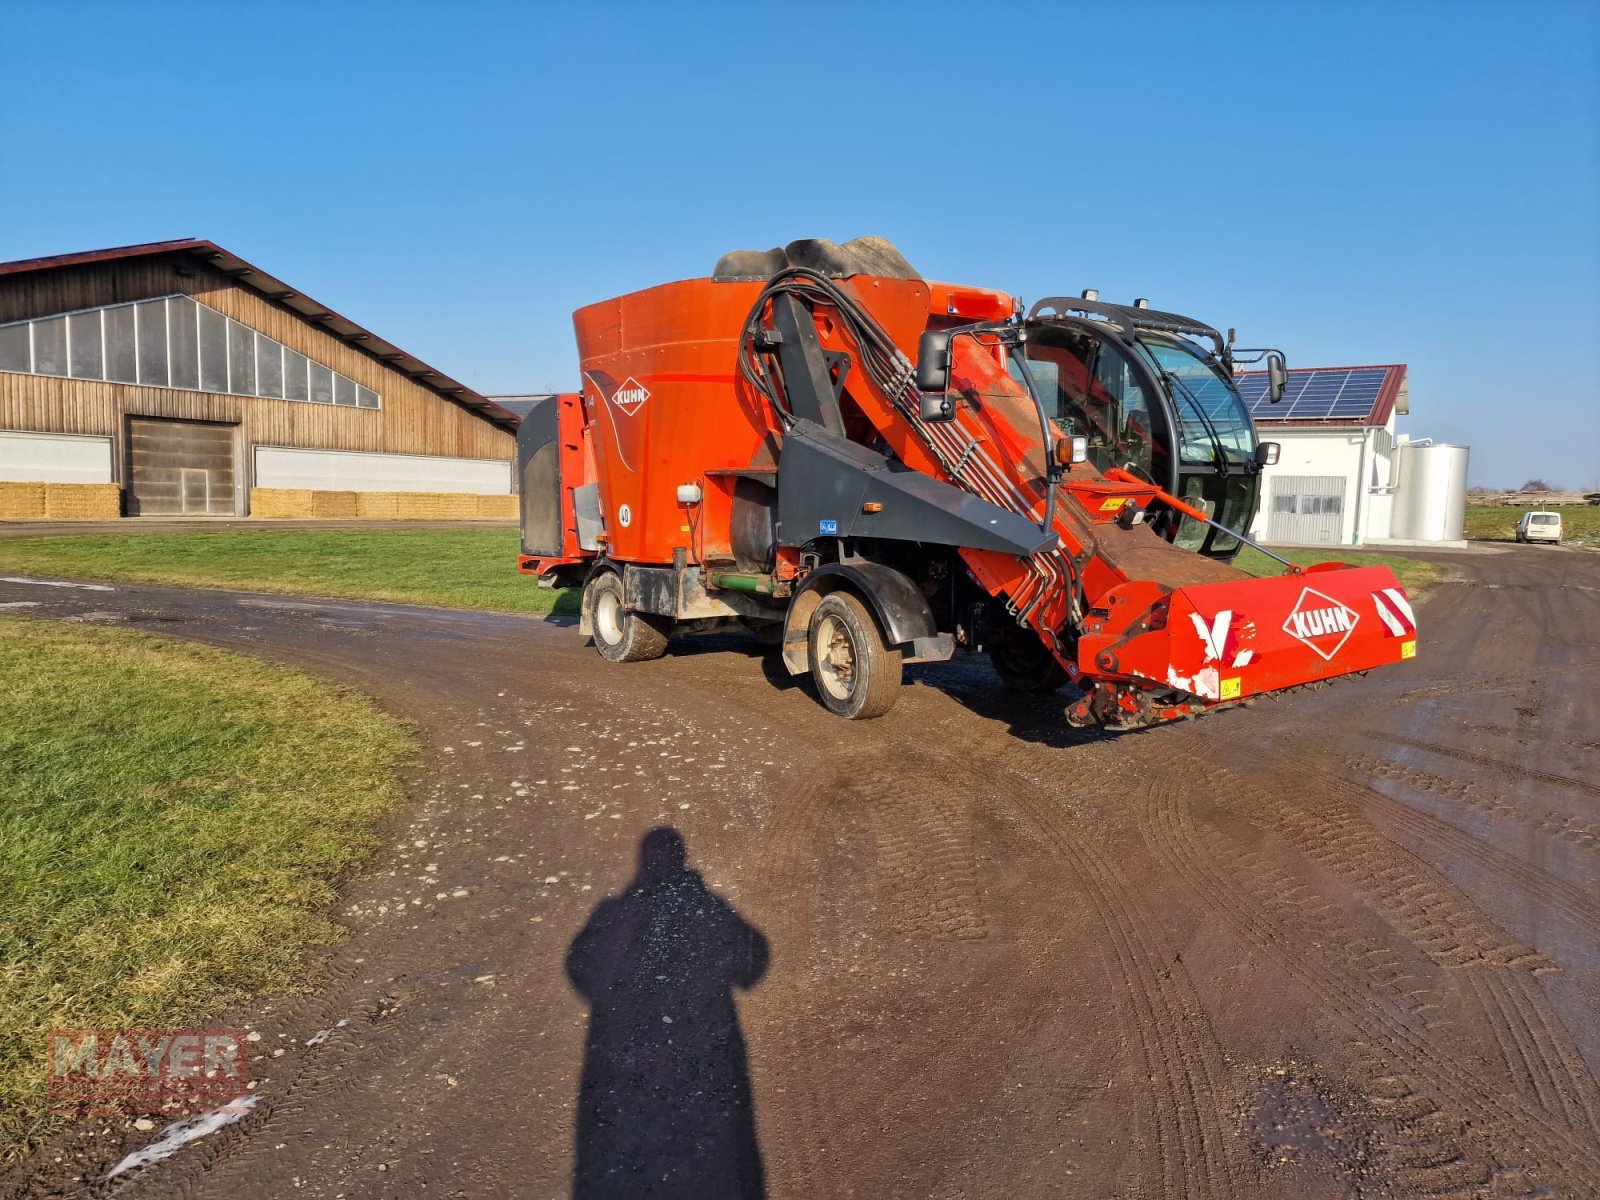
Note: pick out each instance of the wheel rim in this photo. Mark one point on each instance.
(608, 617)
(836, 658)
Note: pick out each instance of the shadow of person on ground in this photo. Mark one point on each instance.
(664, 1106)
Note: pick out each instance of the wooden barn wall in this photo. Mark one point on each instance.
(412, 419)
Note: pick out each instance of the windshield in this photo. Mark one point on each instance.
(1206, 402)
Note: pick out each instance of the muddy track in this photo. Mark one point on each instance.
(1347, 944)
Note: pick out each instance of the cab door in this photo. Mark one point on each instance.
(1091, 388)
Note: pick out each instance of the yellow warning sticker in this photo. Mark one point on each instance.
(1231, 688)
(1408, 649)
(1113, 504)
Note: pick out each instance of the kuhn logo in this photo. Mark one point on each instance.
(630, 397)
(1321, 622)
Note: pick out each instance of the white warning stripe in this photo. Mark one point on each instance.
(1398, 599)
(1395, 612)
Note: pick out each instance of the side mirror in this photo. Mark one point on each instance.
(1267, 454)
(933, 361)
(1277, 376)
(937, 406)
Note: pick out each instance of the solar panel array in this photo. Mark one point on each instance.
(1339, 394)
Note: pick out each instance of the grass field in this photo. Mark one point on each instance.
(1413, 573)
(453, 568)
(173, 820)
(1580, 523)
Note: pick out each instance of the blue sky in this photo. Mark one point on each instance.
(1407, 181)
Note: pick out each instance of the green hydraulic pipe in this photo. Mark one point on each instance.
(737, 581)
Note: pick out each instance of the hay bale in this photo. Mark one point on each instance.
(21, 501)
(283, 504)
(82, 501)
(493, 508)
(418, 506)
(378, 506)
(333, 506)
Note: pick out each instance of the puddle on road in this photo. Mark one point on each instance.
(1298, 1125)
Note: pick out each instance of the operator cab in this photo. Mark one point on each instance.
(1153, 401)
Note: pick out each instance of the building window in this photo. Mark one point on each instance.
(16, 350)
(50, 346)
(83, 339)
(241, 360)
(183, 339)
(174, 342)
(150, 318)
(122, 357)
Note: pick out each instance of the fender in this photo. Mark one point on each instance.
(901, 608)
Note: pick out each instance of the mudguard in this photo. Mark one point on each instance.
(902, 611)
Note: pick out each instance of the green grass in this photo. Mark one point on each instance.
(173, 821)
(453, 568)
(1580, 523)
(1414, 574)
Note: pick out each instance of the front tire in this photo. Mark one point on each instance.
(622, 634)
(857, 675)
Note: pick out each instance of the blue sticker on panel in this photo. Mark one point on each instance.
(828, 527)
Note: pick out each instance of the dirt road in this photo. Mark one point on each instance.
(1342, 944)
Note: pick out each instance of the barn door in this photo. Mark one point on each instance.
(180, 468)
(1307, 509)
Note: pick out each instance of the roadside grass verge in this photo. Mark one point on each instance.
(173, 823)
(1414, 574)
(1580, 523)
(451, 568)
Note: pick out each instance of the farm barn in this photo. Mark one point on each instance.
(177, 379)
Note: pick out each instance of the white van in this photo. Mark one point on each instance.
(1540, 527)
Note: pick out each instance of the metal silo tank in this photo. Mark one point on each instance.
(1431, 492)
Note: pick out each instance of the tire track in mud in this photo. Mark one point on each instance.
(1326, 825)
(1183, 1082)
(1197, 1148)
(1559, 895)
(1444, 923)
(787, 844)
(1514, 770)
(922, 844)
(1446, 1120)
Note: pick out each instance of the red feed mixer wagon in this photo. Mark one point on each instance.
(868, 469)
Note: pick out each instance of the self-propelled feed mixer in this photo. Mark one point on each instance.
(868, 469)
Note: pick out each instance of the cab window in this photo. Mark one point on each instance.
(1089, 387)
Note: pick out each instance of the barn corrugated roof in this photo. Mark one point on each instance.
(249, 275)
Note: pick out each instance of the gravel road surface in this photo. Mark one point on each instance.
(1346, 943)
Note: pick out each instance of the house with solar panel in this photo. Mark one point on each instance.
(1344, 476)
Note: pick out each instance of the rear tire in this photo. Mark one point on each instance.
(622, 634)
(1023, 664)
(857, 675)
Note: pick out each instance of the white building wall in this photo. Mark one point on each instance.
(1312, 452)
(1363, 456)
(54, 458)
(343, 471)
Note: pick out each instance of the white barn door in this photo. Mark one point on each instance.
(1308, 509)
